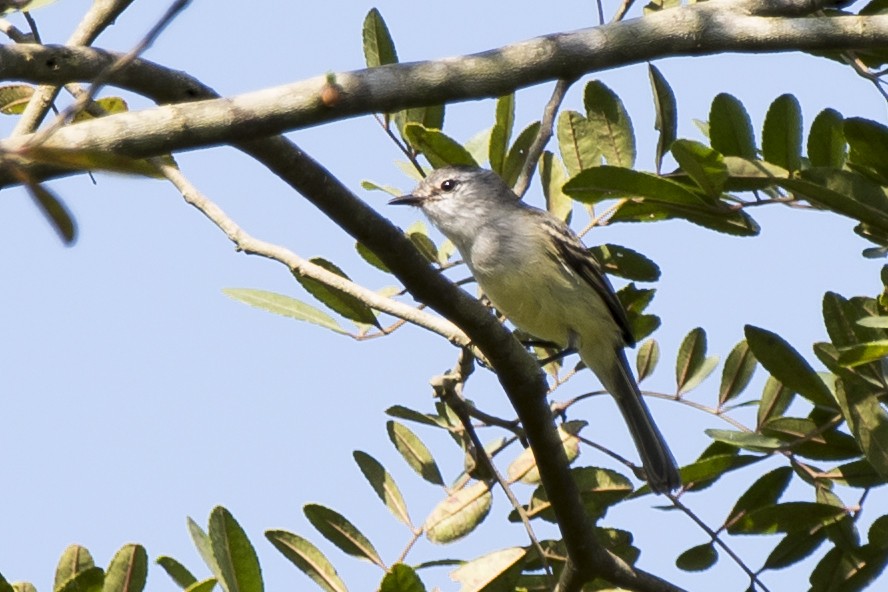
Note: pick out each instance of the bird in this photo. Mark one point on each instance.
(537, 272)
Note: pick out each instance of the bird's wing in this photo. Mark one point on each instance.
(584, 264)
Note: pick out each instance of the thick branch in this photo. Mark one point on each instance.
(704, 28)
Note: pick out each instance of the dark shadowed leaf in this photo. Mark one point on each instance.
(826, 140)
(794, 547)
(867, 420)
(730, 129)
(349, 306)
(234, 554)
(858, 473)
(337, 529)
(439, 149)
(705, 166)
(782, 133)
(845, 192)
(747, 440)
(501, 133)
(786, 365)
(56, 212)
(128, 570)
(402, 412)
(401, 578)
(775, 399)
(737, 372)
(693, 365)
(202, 586)
(384, 485)
(626, 263)
(458, 514)
(285, 306)
(699, 558)
(379, 49)
(717, 217)
(370, 257)
(414, 452)
(666, 113)
(593, 185)
(868, 147)
(764, 492)
(599, 489)
(518, 153)
(307, 558)
(787, 517)
(749, 175)
(576, 142)
(610, 123)
(646, 361)
(89, 580)
(93, 160)
(178, 572)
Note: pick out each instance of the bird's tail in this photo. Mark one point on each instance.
(659, 464)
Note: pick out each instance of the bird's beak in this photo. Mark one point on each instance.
(406, 200)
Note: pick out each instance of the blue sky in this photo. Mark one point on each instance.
(134, 393)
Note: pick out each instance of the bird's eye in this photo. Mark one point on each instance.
(448, 185)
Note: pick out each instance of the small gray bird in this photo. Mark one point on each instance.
(535, 271)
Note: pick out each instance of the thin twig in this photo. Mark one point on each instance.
(624, 8)
(547, 124)
(753, 577)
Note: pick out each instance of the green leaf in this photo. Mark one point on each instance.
(878, 532)
(23, 5)
(716, 217)
(794, 547)
(863, 353)
(337, 529)
(786, 365)
(646, 361)
(202, 586)
(238, 564)
(379, 49)
(128, 570)
(78, 159)
(764, 492)
(88, 580)
(349, 306)
(491, 572)
(858, 473)
(418, 234)
(22, 587)
(868, 147)
(370, 257)
(14, 98)
(576, 143)
(749, 175)
(786, 517)
(414, 452)
(737, 373)
(730, 129)
(610, 123)
(593, 185)
(692, 365)
(178, 572)
(635, 301)
(867, 420)
(702, 164)
(626, 263)
(502, 132)
(402, 412)
(204, 548)
(666, 113)
(307, 558)
(458, 514)
(518, 153)
(845, 192)
(826, 140)
(401, 578)
(775, 400)
(747, 440)
(699, 558)
(707, 469)
(55, 211)
(74, 559)
(782, 133)
(524, 467)
(553, 177)
(285, 306)
(384, 485)
(439, 149)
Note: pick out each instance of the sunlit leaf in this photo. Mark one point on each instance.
(459, 514)
(384, 485)
(414, 452)
(14, 97)
(439, 149)
(702, 164)
(553, 177)
(379, 49)
(610, 123)
(128, 570)
(74, 560)
(178, 572)
(337, 529)
(499, 567)
(502, 132)
(517, 155)
(285, 306)
(308, 559)
(646, 361)
(234, 554)
(737, 372)
(576, 142)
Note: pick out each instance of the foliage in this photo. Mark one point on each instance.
(827, 431)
